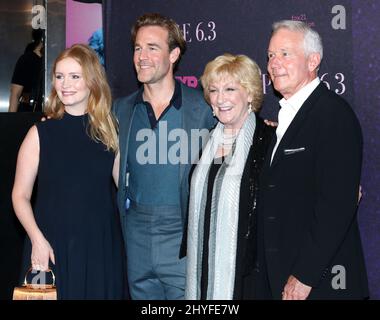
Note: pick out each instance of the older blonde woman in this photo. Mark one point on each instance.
(224, 185)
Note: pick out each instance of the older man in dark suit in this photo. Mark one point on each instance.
(308, 237)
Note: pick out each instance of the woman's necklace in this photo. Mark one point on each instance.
(228, 139)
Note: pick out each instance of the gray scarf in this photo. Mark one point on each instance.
(224, 215)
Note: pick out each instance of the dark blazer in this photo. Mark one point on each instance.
(307, 224)
(196, 114)
(246, 269)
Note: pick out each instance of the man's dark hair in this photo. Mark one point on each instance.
(175, 36)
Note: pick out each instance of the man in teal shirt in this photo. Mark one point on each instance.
(156, 153)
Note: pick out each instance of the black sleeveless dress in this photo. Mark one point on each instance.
(76, 212)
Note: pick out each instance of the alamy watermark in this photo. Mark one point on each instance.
(39, 17)
(165, 146)
(338, 282)
(339, 20)
(176, 146)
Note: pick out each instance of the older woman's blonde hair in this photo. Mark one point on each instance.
(102, 124)
(240, 68)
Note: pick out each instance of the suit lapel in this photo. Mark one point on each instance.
(189, 119)
(297, 123)
(269, 152)
(124, 132)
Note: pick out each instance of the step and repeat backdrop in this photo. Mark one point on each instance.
(350, 33)
(236, 26)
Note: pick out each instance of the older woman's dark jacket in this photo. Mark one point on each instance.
(249, 190)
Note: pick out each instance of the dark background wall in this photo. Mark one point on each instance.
(366, 70)
(350, 32)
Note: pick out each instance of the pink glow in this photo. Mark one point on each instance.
(82, 19)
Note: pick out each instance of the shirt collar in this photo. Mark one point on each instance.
(296, 101)
(175, 101)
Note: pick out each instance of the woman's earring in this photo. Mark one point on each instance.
(213, 113)
(249, 108)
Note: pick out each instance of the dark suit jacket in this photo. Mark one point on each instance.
(196, 115)
(308, 202)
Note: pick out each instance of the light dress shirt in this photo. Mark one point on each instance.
(289, 109)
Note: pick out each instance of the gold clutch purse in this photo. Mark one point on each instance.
(34, 291)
